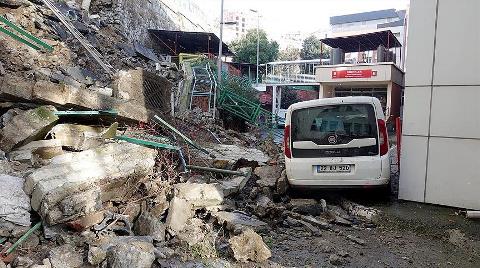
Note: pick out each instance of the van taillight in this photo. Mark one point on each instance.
(286, 142)
(382, 129)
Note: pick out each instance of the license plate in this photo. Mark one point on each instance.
(334, 169)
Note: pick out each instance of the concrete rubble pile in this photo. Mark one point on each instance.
(77, 193)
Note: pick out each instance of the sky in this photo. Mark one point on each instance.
(307, 16)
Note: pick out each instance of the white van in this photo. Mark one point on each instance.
(337, 142)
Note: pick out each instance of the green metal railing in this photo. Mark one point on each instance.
(23, 36)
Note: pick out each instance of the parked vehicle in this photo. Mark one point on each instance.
(337, 142)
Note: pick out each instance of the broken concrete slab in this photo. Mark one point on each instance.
(68, 96)
(268, 175)
(149, 225)
(356, 240)
(134, 253)
(26, 127)
(76, 184)
(45, 149)
(179, 212)
(14, 207)
(235, 152)
(15, 88)
(78, 137)
(6, 117)
(65, 256)
(14, 203)
(249, 246)
(199, 195)
(315, 221)
(236, 183)
(236, 221)
(96, 255)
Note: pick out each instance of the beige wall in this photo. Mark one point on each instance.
(441, 131)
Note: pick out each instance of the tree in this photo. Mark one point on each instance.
(245, 48)
(289, 54)
(312, 48)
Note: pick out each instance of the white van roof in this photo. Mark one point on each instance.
(332, 101)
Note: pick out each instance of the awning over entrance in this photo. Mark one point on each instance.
(175, 42)
(363, 42)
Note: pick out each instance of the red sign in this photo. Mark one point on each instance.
(367, 73)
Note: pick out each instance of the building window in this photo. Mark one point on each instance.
(236, 18)
(236, 28)
(243, 19)
(243, 30)
(243, 25)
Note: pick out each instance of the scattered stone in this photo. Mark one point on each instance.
(456, 237)
(87, 221)
(356, 240)
(236, 221)
(45, 149)
(237, 183)
(262, 207)
(65, 256)
(306, 206)
(249, 246)
(335, 259)
(78, 137)
(6, 117)
(235, 152)
(357, 210)
(14, 207)
(326, 246)
(149, 225)
(22, 261)
(134, 253)
(179, 212)
(199, 195)
(26, 127)
(2, 264)
(96, 255)
(164, 252)
(281, 187)
(316, 222)
(94, 176)
(268, 175)
(45, 264)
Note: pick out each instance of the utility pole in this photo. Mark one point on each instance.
(220, 47)
(258, 41)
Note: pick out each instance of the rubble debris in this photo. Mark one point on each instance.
(199, 195)
(268, 175)
(44, 149)
(176, 131)
(236, 221)
(179, 212)
(83, 223)
(96, 255)
(356, 240)
(45, 264)
(234, 152)
(26, 127)
(65, 256)
(336, 259)
(149, 225)
(23, 238)
(14, 207)
(133, 253)
(20, 34)
(77, 137)
(91, 176)
(357, 210)
(164, 253)
(297, 223)
(314, 221)
(306, 206)
(235, 184)
(216, 170)
(249, 246)
(117, 223)
(263, 204)
(281, 186)
(22, 262)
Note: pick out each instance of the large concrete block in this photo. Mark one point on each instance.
(15, 88)
(75, 184)
(200, 194)
(416, 112)
(26, 127)
(77, 137)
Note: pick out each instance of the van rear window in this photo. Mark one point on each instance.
(344, 121)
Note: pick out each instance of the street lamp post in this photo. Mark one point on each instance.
(258, 40)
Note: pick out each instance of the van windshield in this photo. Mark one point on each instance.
(343, 121)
